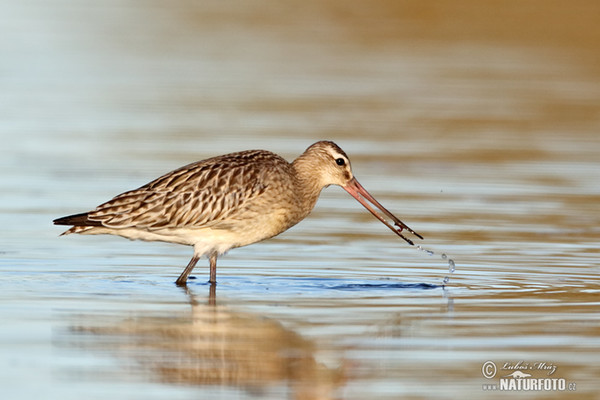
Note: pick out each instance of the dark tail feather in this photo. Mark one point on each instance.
(76, 220)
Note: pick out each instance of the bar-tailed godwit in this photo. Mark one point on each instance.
(228, 201)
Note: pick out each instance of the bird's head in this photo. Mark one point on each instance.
(325, 163)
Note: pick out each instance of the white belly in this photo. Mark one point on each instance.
(204, 240)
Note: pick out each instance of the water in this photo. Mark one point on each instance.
(482, 136)
(443, 256)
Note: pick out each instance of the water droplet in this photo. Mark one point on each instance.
(443, 256)
(452, 266)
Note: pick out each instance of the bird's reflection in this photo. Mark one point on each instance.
(214, 345)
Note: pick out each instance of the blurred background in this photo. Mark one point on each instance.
(477, 123)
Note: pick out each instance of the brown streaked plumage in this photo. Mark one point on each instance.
(228, 201)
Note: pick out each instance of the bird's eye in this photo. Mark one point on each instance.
(340, 161)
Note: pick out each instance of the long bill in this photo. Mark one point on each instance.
(357, 191)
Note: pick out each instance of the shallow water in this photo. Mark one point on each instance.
(484, 141)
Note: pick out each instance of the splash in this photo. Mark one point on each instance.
(451, 263)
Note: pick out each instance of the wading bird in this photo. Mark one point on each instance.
(228, 201)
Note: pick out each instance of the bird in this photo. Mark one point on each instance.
(229, 201)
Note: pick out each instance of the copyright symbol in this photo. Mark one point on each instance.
(488, 369)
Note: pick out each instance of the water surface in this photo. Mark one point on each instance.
(480, 136)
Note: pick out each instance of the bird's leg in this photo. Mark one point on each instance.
(182, 280)
(213, 268)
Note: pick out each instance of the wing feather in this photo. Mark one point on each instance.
(197, 195)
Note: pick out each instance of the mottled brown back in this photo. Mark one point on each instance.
(196, 195)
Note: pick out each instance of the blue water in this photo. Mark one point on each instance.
(487, 150)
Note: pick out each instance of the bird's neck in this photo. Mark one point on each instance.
(308, 184)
